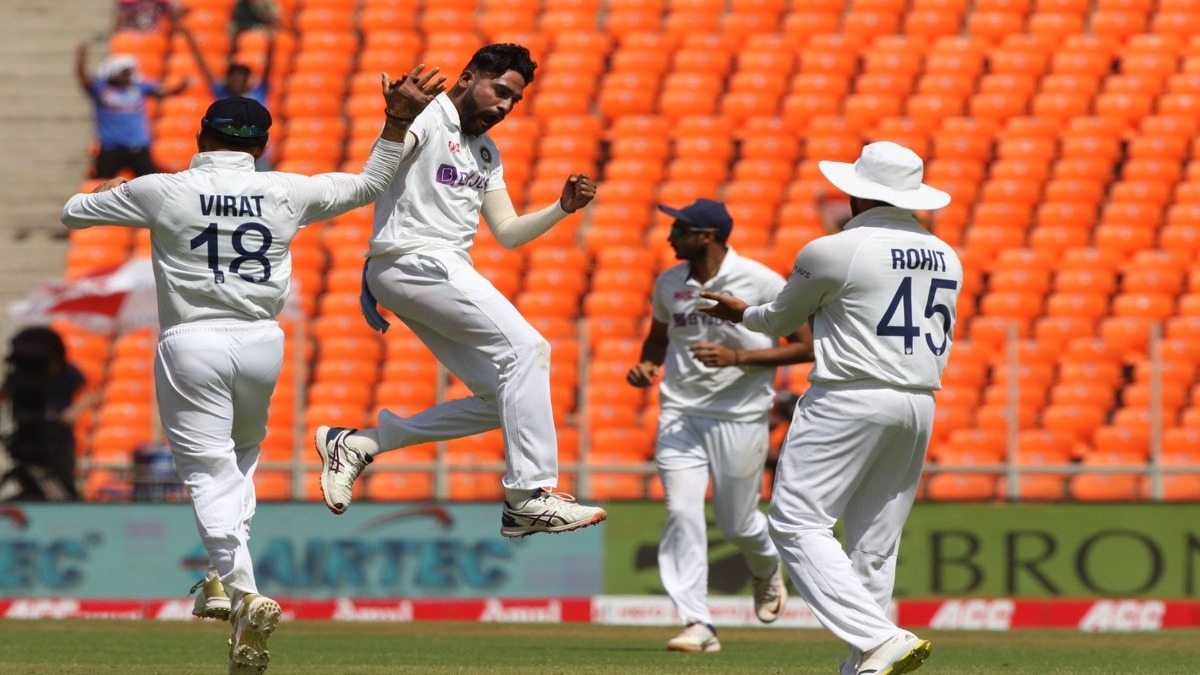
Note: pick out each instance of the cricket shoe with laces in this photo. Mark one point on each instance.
(211, 600)
(697, 637)
(770, 596)
(901, 653)
(548, 511)
(340, 465)
(253, 623)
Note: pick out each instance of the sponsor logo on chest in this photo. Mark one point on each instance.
(448, 174)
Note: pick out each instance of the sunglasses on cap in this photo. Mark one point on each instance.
(683, 229)
(221, 125)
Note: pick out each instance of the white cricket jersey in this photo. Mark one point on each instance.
(883, 293)
(435, 199)
(220, 231)
(741, 393)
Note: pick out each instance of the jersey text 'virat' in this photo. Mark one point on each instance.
(230, 205)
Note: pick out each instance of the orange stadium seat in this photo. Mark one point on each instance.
(1035, 487)
(1101, 487)
(994, 25)
(961, 487)
(1051, 27)
(1075, 421)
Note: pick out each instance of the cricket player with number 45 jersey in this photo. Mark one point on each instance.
(882, 296)
(219, 235)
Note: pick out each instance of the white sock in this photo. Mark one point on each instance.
(517, 497)
(365, 441)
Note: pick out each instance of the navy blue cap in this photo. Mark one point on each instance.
(703, 214)
(239, 120)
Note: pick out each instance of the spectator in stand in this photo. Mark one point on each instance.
(45, 395)
(237, 82)
(253, 15)
(145, 15)
(122, 125)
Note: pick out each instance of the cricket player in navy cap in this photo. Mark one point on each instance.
(220, 235)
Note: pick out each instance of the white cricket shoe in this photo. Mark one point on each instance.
(697, 637)
(548, 511)
(340, 465)
(770, 596)
(253, 623)
(901, 653)
(211, 601)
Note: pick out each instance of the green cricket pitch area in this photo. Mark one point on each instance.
(97, 647)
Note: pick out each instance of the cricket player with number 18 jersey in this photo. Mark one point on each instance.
(882, 296)
(219, 235)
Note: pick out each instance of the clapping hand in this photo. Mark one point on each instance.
(408, 96)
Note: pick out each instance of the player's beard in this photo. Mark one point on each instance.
(474, 121)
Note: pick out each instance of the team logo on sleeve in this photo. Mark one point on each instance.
(486, 155)
(126, 190)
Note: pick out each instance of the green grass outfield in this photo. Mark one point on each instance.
(95, 647)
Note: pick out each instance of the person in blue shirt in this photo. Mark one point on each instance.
(237, 82)
(122, 124)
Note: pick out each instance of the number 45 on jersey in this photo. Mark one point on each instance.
(902, 303)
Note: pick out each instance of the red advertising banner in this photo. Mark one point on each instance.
(999, 614)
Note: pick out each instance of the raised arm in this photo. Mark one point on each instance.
(330, 194)
(163, 91)
(190, 39)
(266, 75)
(81, 75)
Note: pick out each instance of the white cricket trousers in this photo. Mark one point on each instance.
(480, 337)
(214, 381)
(852, 453)
(689, 449)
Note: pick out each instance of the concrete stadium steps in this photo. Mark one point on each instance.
(45, 130)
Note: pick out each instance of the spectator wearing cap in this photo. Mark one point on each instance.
(119, 106)
(220, 234)
(715, 397)
(238, 82)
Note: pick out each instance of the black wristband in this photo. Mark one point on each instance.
(406, 120)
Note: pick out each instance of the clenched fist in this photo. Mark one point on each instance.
(577, 192)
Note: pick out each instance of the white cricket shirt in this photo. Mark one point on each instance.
(435, 199)
(740, 393)
(883, 293)
(220, 231)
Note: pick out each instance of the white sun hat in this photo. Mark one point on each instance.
(886, 172)
(115, 64)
